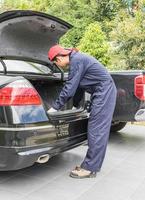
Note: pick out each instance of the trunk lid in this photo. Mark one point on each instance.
(28, 35)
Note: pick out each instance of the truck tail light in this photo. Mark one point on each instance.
(19, 92)
(139, 87)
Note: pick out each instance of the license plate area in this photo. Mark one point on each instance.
(62, 131)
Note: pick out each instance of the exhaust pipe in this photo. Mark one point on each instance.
(43, 158)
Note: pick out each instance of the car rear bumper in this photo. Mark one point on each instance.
(21, 147)
(17, 158)
(14, 158)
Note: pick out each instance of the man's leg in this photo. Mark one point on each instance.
(98, 130)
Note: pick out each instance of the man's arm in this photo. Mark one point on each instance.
(75, 75)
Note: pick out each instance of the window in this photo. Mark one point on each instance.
(18, 66)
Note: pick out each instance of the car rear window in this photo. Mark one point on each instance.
(19, 66)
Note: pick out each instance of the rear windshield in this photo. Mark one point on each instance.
(18, 66)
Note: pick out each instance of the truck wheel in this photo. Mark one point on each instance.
(117, 126)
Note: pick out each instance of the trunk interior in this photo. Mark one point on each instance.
(49, 91)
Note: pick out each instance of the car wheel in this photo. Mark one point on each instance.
(117, 126)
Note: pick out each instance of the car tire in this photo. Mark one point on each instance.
(117, 126)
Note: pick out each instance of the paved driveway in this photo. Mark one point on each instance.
(122, 176)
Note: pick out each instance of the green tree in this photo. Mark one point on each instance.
(25, 4)
(128, 39)
(80, 13)
(94, 42)
(77, 12)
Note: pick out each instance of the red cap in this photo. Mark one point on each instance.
(57, 50)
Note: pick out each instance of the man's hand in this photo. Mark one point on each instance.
(51, 110)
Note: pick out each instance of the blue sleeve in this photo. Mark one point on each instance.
(76, 73)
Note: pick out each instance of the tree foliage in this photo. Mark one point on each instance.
(129, 41)
(25, 4)
(94, 42)
(81, 13)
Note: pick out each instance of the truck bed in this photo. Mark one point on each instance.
(127, 104)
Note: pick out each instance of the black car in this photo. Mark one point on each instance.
(29, 84)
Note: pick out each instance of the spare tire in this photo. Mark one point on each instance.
(117, 126)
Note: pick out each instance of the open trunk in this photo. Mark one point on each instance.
(26, 37)
(49, 91)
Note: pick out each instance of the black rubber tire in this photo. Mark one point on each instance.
(118, 126)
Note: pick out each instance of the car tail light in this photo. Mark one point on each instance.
(139, 87)
(19, 92)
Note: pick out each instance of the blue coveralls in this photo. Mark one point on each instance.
(87, 74)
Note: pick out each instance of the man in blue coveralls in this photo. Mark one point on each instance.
(87, 74)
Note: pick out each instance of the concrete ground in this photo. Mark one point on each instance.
(122, 176)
